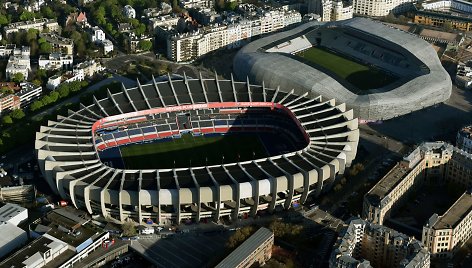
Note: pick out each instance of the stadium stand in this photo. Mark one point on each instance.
(70, 149)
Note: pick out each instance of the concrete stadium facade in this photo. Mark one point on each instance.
(422, 80)
(68, 157)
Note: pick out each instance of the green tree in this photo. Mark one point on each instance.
(128, 229)
(17, 114)
(36, 105)
(18, 77)
(144, 45)
(1, 142)
(63, 90)
(26, 15)
(140, 29)
(74, 86)
(31, 34)
(45, 48)
(46, 100)
(47, 12)
(7, 120)
(3, 20)
(54, 95)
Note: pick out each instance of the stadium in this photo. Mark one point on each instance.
(378, 71)
(191, 149)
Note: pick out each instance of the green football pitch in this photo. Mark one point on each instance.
(192, 150)
(362, 76)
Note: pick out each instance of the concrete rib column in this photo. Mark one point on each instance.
(199, 200)
(255, 194)
(102, 194)
(202, 83)
(218, 194)
(237, 195)
(288, 199)
(120, 201)
(140, 184)
(178, 197)
(271, 206)
(158, 186)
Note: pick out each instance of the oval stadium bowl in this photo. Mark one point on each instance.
(196, 148)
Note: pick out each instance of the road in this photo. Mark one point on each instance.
(116, 78)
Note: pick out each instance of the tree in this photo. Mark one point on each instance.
(26, 15)
(128, 229)
(239, 236)
(231, 5)
(17, 114)
(338, 187)
(144, 45)
(31, 34)
(282, 229)
(74, 86)
(18, 77)
(447, 26)
(6, 90)
(37, 82)
(45, 48)
(47, 12)
(3, 20)
(63, 90)
(140, 29)
(7, 120)
(36, 105)
(54, 95)
(1, 142)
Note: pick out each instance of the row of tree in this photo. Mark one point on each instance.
(63, 91)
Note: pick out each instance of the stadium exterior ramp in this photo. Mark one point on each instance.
(68, 153)
(423, 81)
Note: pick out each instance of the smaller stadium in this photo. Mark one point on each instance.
(193, 148)
(378, 71)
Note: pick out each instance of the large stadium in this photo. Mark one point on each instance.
(378, 71)
(190, 149)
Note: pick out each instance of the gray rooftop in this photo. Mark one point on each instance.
(246, 248)
(456, 213)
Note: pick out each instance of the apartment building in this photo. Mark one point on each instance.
(464, 137)
(257, 249)
(331, 10)
(59, 43)
(365, 244)
(38, 24)
(432, 162)
(380, 8)
(18, 64)
(86, 69)
(233, 33)
(55, 61)
(426, 163)
(22, 96)
(444, 234)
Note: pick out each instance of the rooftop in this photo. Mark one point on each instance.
(8, 233)
(456, 213)
(246, 248)
(9, 211)
(448, 37)
(388, 182)
(34, 252)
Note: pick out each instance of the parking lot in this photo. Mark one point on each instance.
(185, 250)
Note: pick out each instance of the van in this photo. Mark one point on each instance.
(147, 231)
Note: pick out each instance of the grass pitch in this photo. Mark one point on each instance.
(192, 150)
(359, 75)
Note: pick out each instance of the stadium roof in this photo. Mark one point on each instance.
(423, 81)
(235, 258)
